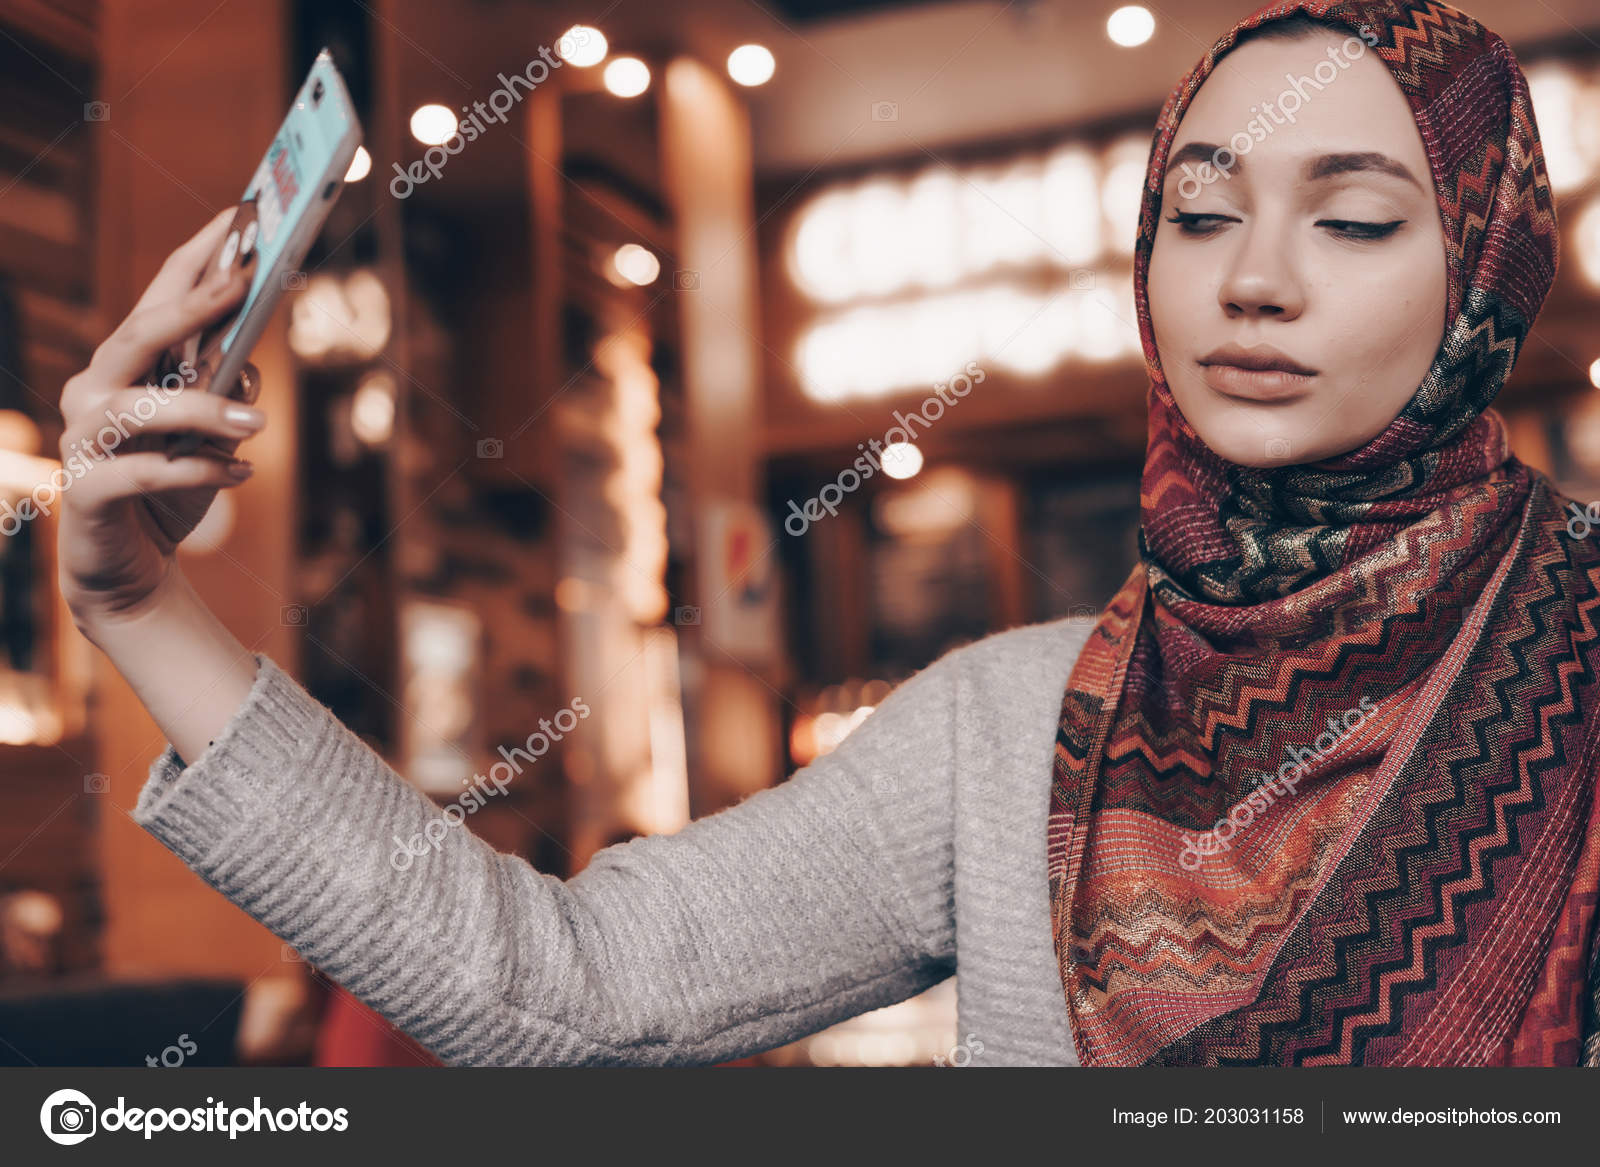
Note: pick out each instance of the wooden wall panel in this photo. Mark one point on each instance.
(195, 92)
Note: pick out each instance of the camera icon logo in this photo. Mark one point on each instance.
(491, 448)
(1081, 279)
(686, 281)
(885, 111)
(293, 615)
(68, 1117)
(1277, 447)
(96, 784)
(294, 281)
(688, 614)
(97, 111)
(288, 954)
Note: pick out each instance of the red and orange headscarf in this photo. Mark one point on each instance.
(1324, 783)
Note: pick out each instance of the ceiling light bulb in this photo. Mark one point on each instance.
(582, 45)
(433, 124)
(1130, 25)
(627, 76)
(751, 65)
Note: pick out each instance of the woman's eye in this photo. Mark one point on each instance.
(1354, 229)
(1200, 225)
(1192, 224)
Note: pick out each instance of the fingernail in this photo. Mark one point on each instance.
(244, 415)
(241, 468)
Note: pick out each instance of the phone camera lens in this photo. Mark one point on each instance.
(316, 94)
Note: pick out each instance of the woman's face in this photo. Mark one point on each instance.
(1315, 253)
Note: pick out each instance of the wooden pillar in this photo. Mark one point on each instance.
(733, 724)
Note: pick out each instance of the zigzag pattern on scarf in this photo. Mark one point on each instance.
(1440, 898)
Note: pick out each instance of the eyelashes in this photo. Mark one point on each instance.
(1354, 229)
(1199, 226)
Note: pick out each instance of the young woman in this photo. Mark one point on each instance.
(1316, 787)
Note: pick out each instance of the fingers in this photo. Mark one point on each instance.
(134, 411)
(148, 472)
(180, 270)
(140, 339)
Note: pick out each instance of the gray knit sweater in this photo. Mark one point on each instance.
(914, 851)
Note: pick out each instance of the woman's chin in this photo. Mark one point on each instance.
(1260, 450)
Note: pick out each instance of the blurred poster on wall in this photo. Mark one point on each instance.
(1082, 535)
(929, 573)
(739, 583)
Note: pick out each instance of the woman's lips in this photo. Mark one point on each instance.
(1256, 384)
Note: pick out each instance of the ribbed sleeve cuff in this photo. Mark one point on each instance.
(192, 808)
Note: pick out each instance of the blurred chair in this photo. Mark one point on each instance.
(82, 1022)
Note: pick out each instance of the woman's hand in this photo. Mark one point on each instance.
(127, 507)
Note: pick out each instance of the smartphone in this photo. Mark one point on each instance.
(283, 208)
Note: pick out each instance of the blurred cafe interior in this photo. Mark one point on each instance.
(570, 413)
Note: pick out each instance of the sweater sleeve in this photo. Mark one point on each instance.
(823, 897)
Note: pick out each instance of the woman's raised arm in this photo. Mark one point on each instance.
(826, 896)
(126, 507)
(823, 897)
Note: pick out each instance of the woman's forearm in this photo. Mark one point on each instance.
(186, 668)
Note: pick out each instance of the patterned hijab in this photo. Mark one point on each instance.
(1323, 788)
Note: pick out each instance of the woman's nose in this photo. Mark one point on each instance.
(1260, 279)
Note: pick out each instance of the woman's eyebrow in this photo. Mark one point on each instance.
(1192, 152)
(1330, 164)
(1320, 167)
